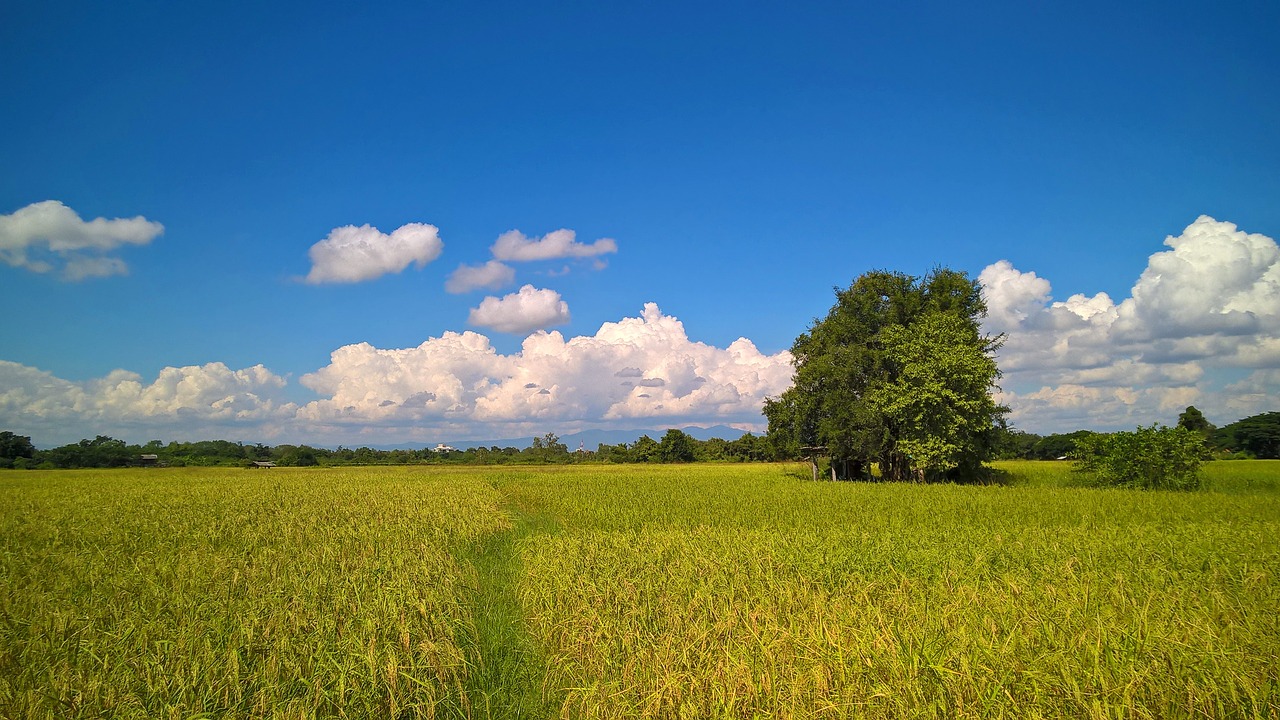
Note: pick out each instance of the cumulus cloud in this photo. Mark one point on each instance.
(643, 367)
(491, 275)
(637, 371)
(1216, 280)
(354, 254)
(528, 309)
(1208, 304)
(47, 236)
(196, 398)
(516, 247)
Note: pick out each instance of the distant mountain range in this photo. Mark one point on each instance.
(589, 439)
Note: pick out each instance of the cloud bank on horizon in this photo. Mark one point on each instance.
(455, 386)
(1201, 326)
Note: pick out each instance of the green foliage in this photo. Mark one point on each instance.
(751, 448)
(938, 396)
(1238, 477)
(1193, 419)
(1058, 445)
(101, 452)
(646, 450)
(1011, 444)
(297, 456)
(1150, 458)
(1257, 436)
(14, 446)
(898, 375)
(677, 447)
(545, 449)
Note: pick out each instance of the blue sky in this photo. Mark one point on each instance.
(744, 159)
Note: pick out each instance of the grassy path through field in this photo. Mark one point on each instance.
(506, 665)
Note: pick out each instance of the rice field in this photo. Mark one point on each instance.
(196, 593)
(596, 591)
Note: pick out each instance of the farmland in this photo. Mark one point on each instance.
(638, 591)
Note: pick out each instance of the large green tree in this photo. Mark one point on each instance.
(14, 446)
(1258, 436)
(899, 375)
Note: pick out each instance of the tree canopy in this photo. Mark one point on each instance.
(13, 446)
(1257, 436)
(898, 374)
(1193, 419)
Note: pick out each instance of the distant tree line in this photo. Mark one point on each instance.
(676, 446)
(1253, 437)
(1256, 437)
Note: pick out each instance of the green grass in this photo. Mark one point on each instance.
(506, 666)
(670, 593)
(700, 591)
(1228, 476)
(184, 593)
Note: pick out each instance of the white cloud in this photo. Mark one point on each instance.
(196, 399)
(354, 254)
(1208, 304)
(640, 371)
(1012, 296)
(528, 309)
(638, 368)
(1254, 394)
(491, 275)
(1215, 280)
(515, 246)
(57, 236)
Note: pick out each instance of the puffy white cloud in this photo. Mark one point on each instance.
(515, 246)
(636, 372)
(57, 236)
(491, 275)
(643, 367)
(194, 399)
(1216, 280)
(528, 309)
(1012, 296)
(354, 254)
(1209, 303)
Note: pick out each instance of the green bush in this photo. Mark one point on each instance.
(1150, 458)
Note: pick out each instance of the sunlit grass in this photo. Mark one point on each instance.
(212, 593)
(699, 591)
(1230, 476)
(679, 592)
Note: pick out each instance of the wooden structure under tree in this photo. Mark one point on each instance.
(812, 453)
(841, 469)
